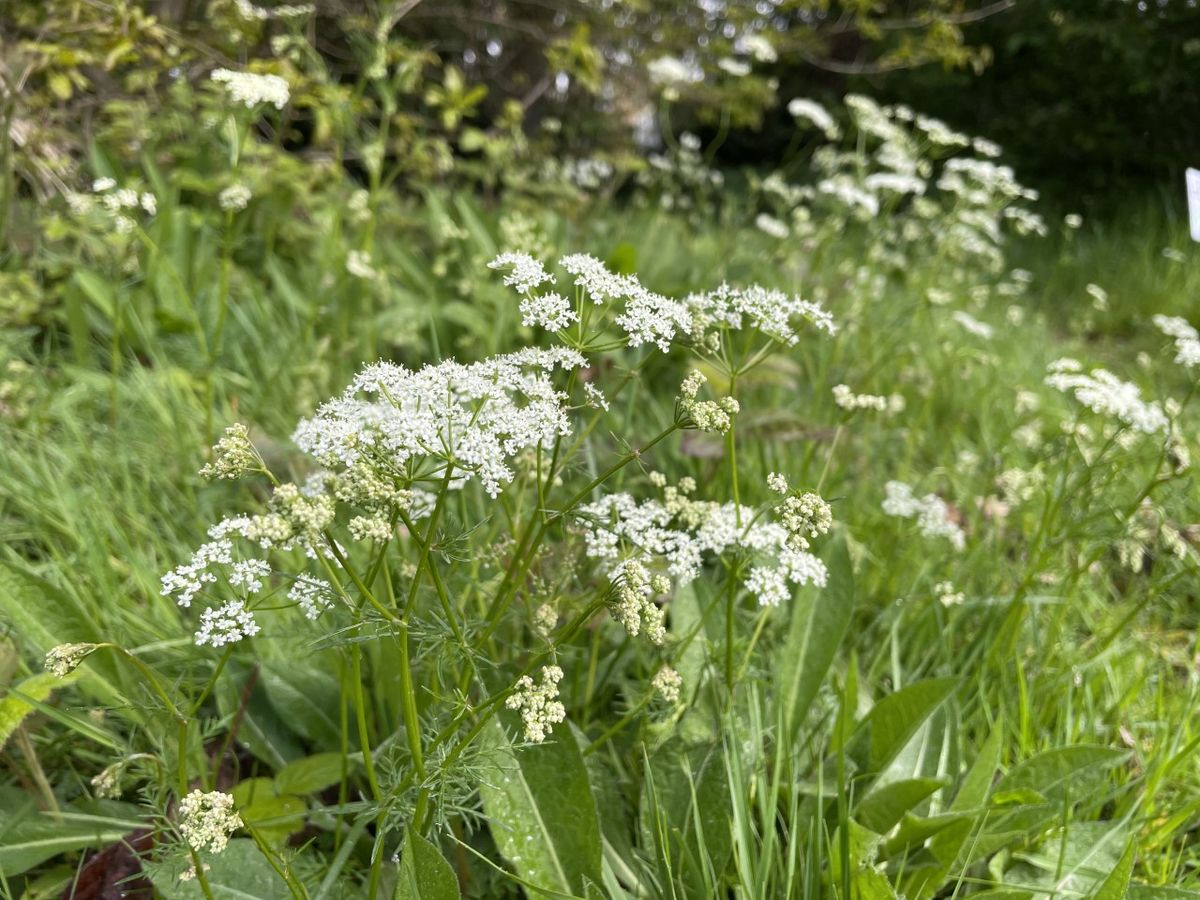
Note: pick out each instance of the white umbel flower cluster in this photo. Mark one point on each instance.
(234, 198)
(677, 534)
(538, 703)
(1187, 339)
(651, 318)
(715, 416)
(476, 417)
(1104, 393)
(845, 397)
(668, 683)
(251, 89)
(233, 455)
(207, 819)
(226, 624)
(633, 601)
(931, 512)
(815, 114)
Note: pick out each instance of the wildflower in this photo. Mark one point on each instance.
(250, 89)
(814, 113)
(931, 512)
(946, 595)
(358, 264)
(207, 819)
(707, 415)
(478, 416)
(771, 226)
(668, 683)
(771, 312)
(226, 625)
(1187, 339)
(633, 604)
(1104, 393)
(804, 517)
(107, 784)
(595, 397)
(844, 397)
(549, 311)
(735, 67)
(777, 483)
(1074, 221)
(672, 72)
(312, 595)
(526, 272)
(233, 198)
(1099, 297)
(65, 658)
(101, 185)
(757, 46)
(973, 325)
(233, 455)
(987, 148)
(539, 706)
(545, 618)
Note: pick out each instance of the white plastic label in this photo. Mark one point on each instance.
(1193, 196)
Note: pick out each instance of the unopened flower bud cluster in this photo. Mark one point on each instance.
(207, 819)
(538, 703)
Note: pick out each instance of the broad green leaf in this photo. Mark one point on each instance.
(1116, 885)
(895, 718)
(98, 290)
(14, 709)
(541, 811)
(239, 872)
(273, 815)
(424, 872)
(29, 837)
(311, 774)
(884, 806)
(820, 619)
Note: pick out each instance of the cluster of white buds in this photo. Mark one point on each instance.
(668, 683)
(538, 703)
(805, 516)
(65, 658)
(207, 819)
(545, 618)
(633, 601)
(251, 89)
(1187, 339)
(233, 455)
(947, 595)
(234, 198)
(714, 416)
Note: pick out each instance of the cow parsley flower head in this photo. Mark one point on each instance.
(207, 819)
(814, 113)
(226, 624)
(525, 272)
(549, 311)
(251, 89)
(65, 658)
(1102, 392)
(805, 516)
(538, 703)
(771, 226)
(973, 325)
(312, 595)
(668, 683)
(777, 483)
(772, 312)
(233, 198)
(931, 512)
(233, 455)
(358, 264)
(476, 417)
(633, 601)
(1187, 339)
